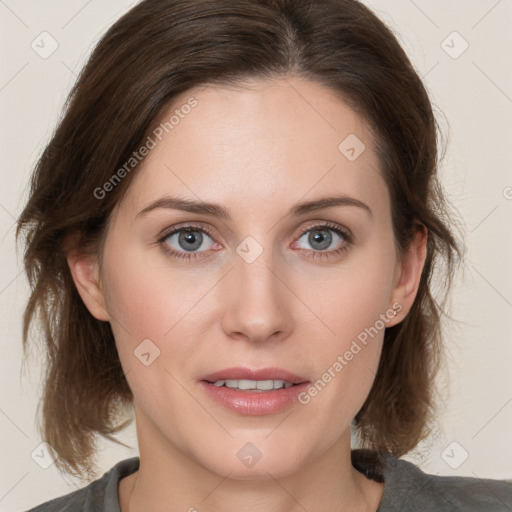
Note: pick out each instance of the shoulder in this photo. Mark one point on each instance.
(100, 495)
(409, 488)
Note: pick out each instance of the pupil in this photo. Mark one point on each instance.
(321, 236)
(191, 239)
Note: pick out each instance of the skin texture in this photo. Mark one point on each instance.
(256, 150)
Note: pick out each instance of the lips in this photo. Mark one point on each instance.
(233, 389)
(240, 373)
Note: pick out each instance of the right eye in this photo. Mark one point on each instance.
(185, 242)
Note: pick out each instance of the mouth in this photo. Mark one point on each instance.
(254, 392)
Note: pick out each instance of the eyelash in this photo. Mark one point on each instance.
(347, 241)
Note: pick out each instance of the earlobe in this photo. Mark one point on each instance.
(85, 272)
(408, 275)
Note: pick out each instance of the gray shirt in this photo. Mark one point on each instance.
(406, 489)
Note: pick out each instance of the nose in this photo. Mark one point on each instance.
(258, 304)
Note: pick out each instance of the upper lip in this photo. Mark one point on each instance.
(240, 373)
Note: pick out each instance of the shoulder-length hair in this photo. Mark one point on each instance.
(155, 52)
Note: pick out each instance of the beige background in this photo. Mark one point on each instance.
(474, 90)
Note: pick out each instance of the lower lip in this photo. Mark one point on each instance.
(255, 403)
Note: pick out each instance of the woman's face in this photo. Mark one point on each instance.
(267, 285)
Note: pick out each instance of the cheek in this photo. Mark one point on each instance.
(145, 297)
(156, 303)
(352, 307)
(352, 296)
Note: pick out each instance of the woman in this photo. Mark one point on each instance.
(234, 230)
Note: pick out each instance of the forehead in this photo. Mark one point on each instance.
(278, 141)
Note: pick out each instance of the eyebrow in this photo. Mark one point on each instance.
(216, 210)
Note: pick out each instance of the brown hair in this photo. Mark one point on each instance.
(158, 50)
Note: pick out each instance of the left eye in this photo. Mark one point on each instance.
(320, 238)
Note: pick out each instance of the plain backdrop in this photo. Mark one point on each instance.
(462, 50)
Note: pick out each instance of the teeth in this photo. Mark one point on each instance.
(259, 385)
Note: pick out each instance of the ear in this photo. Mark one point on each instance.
(407, 275)
(84, 269)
